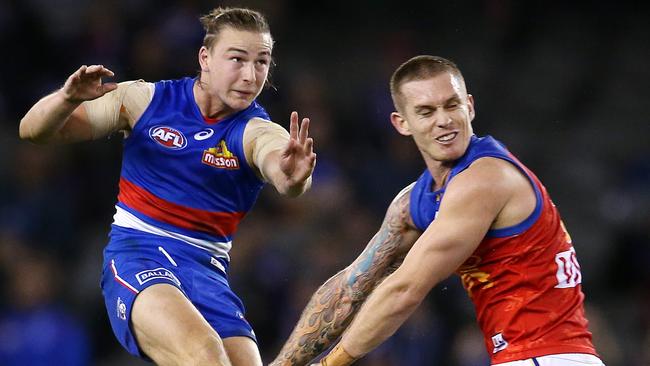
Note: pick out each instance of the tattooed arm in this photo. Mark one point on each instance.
(335, 303)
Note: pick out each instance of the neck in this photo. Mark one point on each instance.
(209, 106)
(439, 172)
(439, 178)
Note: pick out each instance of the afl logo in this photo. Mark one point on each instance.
(168, 137)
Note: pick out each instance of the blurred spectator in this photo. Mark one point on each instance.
(35, 327)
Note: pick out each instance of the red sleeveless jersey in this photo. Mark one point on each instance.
(524, 280)
(526, 290)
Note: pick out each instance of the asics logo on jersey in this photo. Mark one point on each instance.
(205, 134)
(168, 137)
(220, 157)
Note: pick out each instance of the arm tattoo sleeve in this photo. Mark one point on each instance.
(333, 306)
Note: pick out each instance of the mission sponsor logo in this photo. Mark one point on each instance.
(168, 137)
(220, 157)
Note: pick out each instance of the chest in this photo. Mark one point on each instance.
(185, 148)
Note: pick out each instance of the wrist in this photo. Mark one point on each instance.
(338, 357)
(67, 99)
(295, 189)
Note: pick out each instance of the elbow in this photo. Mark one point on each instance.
(407, 298)
(26, 133)
(30, 131)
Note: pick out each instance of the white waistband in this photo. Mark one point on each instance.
(562, 359)
(124, 218)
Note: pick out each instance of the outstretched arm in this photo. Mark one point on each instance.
(471, 204)
(335, 303)
(58, 116)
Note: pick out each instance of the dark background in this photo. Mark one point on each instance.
(564, 86)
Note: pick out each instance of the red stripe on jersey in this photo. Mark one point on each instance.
(211, 121)
(215, 223)
(120, 280)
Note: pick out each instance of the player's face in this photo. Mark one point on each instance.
(438, 113)
(237, 67)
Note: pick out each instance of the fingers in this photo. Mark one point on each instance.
(108, 87)
(91, 72)
(304, 130)
(310, 152)
(298, 133)
(77, 74)
(293, 125)
(97, 70)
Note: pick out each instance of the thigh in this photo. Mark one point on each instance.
(170, 330)
(242, 351)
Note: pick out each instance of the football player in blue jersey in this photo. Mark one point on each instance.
(165, 268)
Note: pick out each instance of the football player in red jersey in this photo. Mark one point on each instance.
(475, 210)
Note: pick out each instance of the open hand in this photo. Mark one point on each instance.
(297, 159)
(86, 84)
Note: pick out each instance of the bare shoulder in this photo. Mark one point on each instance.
(491, 189)
(267, 132)
(398, 212)
(258, 125)
(490, 174)
(133, 97)
(507, 186)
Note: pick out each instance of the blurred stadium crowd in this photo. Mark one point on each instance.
(564, 86)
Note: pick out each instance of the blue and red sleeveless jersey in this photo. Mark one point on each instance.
(183, 176)
(524, 280)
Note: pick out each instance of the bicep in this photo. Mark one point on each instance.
(386, 250)
(76, 128)
(471, 204)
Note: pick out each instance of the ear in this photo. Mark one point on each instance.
(470, 107)
(400, 124)
(204, 54)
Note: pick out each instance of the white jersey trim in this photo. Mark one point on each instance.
(124, 218)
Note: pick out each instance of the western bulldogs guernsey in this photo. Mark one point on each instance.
(524, 280)
(184, 187)
(184, 177)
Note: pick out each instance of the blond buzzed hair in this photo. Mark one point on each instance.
(420, 68)
(237, 18)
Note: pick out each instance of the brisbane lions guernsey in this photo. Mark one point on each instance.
(183, 177)
(524, 280)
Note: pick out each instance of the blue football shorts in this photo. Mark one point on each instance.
(134, 260)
